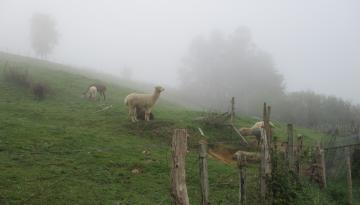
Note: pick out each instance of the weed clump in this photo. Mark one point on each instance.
(17, 76)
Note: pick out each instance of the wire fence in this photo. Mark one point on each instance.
(341, 159)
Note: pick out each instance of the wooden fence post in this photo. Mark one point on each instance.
(267, 125)
(349, 180)
(241, 162)
(323, 166)
(319, 168)
(204, 179)
(178, 178)
(290, 147)
(299, 154)
(265, 166)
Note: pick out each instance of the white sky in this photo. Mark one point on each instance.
(315, 43)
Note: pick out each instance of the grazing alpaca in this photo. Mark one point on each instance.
(91, 93)
(137, 101)
(251, 132)
(100, 88)
(255, 130)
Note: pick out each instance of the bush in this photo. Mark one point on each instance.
(284, 185)
(40, 90)
(356, 163)
(337, 192)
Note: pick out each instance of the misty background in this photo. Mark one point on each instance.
(282, 52)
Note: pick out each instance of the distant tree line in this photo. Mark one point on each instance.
(309, 109)
(221, 66)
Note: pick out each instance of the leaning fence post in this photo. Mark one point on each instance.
(241, 162)
(232, 110)
(203, 167)
(290, 146)
(178, 179)
(349, 180)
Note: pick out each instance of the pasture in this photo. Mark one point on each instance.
(61, 151)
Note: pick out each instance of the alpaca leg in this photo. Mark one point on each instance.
(147, 115)
(133, 119)
(131, 113)
(135, 114)
(101, 95)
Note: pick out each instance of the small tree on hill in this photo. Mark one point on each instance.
(44, 35)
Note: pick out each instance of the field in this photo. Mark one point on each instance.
(61, 151)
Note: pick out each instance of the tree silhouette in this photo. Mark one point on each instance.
(44, 35)
(221, 66)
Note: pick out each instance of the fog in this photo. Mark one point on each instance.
(315, 45)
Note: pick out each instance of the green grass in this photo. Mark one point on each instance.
(61, 151)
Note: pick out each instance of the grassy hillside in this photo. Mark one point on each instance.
(61, 151)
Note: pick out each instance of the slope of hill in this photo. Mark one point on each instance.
(62, 151)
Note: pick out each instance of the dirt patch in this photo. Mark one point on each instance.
(222, 153)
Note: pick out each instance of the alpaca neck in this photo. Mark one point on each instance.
(155, 96)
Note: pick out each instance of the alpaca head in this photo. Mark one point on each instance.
(159, 89)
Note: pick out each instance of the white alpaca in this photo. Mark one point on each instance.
(261, 124)
(137, 101)
(91, 93)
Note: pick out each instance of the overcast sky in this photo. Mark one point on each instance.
(315, 44)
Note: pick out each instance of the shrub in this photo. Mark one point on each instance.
(356, 163)
(40, 90)
(284, 185)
